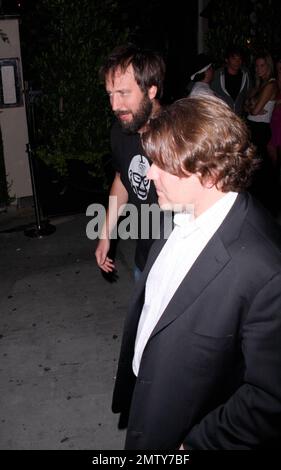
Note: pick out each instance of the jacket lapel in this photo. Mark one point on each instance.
(210, 262)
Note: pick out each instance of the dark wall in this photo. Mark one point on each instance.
(182, 40)
(170, 28)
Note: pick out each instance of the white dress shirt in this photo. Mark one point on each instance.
(187, 240)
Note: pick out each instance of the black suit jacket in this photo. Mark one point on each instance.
(210, 374)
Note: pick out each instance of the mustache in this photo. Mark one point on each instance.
(121, 113)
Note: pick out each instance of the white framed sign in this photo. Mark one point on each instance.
(10, 83)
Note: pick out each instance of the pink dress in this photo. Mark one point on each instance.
(275, 124)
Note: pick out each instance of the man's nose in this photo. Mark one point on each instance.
(115, 102)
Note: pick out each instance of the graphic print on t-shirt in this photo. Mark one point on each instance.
(138, 169)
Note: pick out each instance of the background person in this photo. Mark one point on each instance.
(261, 102)
(134, 83)
(200, 361)
(232, 82)
(274, 145)
(260, 105)
(202, 76)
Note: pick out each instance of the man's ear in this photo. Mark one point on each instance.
(208, 182)
(152, 92)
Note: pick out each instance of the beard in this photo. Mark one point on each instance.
(140, 117)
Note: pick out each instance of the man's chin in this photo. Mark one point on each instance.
(127, 126)
(165, 206)
(176, 207)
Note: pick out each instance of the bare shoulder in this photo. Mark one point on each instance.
(270, 89)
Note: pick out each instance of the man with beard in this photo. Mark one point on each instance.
(134, 83)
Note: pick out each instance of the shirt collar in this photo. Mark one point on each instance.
(209, 221)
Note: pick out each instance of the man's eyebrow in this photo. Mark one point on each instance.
(119, 90)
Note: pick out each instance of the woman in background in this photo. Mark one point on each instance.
(274, 145)
(260, 105)
(261, 102)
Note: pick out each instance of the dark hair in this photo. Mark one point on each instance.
(202, 135)
(232, 50)
(148, 66)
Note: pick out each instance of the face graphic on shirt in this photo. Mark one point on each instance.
(138, 169)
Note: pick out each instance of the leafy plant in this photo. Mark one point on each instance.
(72, 114)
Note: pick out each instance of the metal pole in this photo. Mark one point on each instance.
(42, 228)
(35, 200)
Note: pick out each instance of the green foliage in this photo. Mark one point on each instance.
(252, 24)
(73, 113)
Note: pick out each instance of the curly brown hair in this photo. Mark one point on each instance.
(202, 135)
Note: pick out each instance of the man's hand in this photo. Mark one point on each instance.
(104, 263)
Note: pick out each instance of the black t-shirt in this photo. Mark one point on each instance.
(129, 160)
(233, 83)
